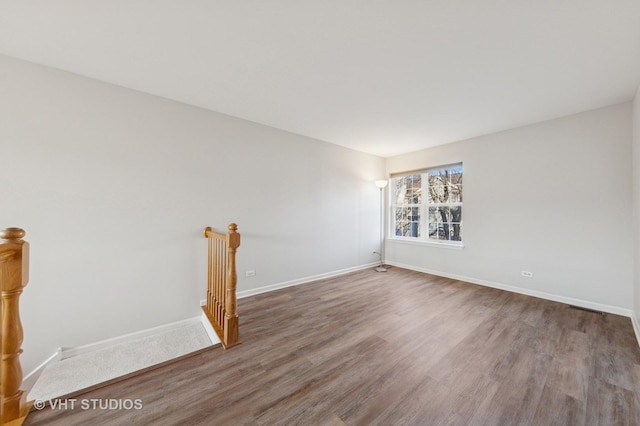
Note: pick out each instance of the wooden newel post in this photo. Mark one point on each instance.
(231, 316)
(14, 275)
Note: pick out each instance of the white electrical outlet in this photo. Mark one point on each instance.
(250, 273)
(527, 274)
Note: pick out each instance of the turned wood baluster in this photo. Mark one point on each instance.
(14, 275)
(223, 279)
(231, 317)
(210, 273)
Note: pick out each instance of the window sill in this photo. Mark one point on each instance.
(428, 243)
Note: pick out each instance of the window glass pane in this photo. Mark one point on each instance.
(445, 214)
(456, 213)
(407, 222)
(445, 186)
(455, 193)
(433, 231)
(456, 231)
(408, 190)
(439, 231)
(455, 227)
(455, 176)
(443, 203)
(435, 214)
(445, 223)
(436, 229)
(439, 186)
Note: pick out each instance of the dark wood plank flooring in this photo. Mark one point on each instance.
(391, 348)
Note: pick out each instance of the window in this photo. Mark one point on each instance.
(428, 205)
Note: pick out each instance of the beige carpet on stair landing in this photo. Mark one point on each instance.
(88, 370)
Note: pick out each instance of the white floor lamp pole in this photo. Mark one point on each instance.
(381, 184)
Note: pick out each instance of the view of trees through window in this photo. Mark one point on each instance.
(428, 205)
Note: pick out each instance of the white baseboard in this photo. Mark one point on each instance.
(542, 295)
(305, 280)
(213, 336)
(31, 378)
(636, 326)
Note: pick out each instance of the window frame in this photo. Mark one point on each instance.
(423, 206)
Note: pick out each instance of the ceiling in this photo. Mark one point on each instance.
(380, 76)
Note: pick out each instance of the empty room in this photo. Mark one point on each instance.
(320, 213)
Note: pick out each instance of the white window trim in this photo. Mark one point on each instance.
(424, 211)
(452, 245)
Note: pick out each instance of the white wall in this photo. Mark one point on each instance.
(552, 198)
(636, 206)
(114, 188)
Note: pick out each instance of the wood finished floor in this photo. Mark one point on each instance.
(392, 348)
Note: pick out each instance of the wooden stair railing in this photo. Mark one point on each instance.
(222, 279)
(14, 275)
